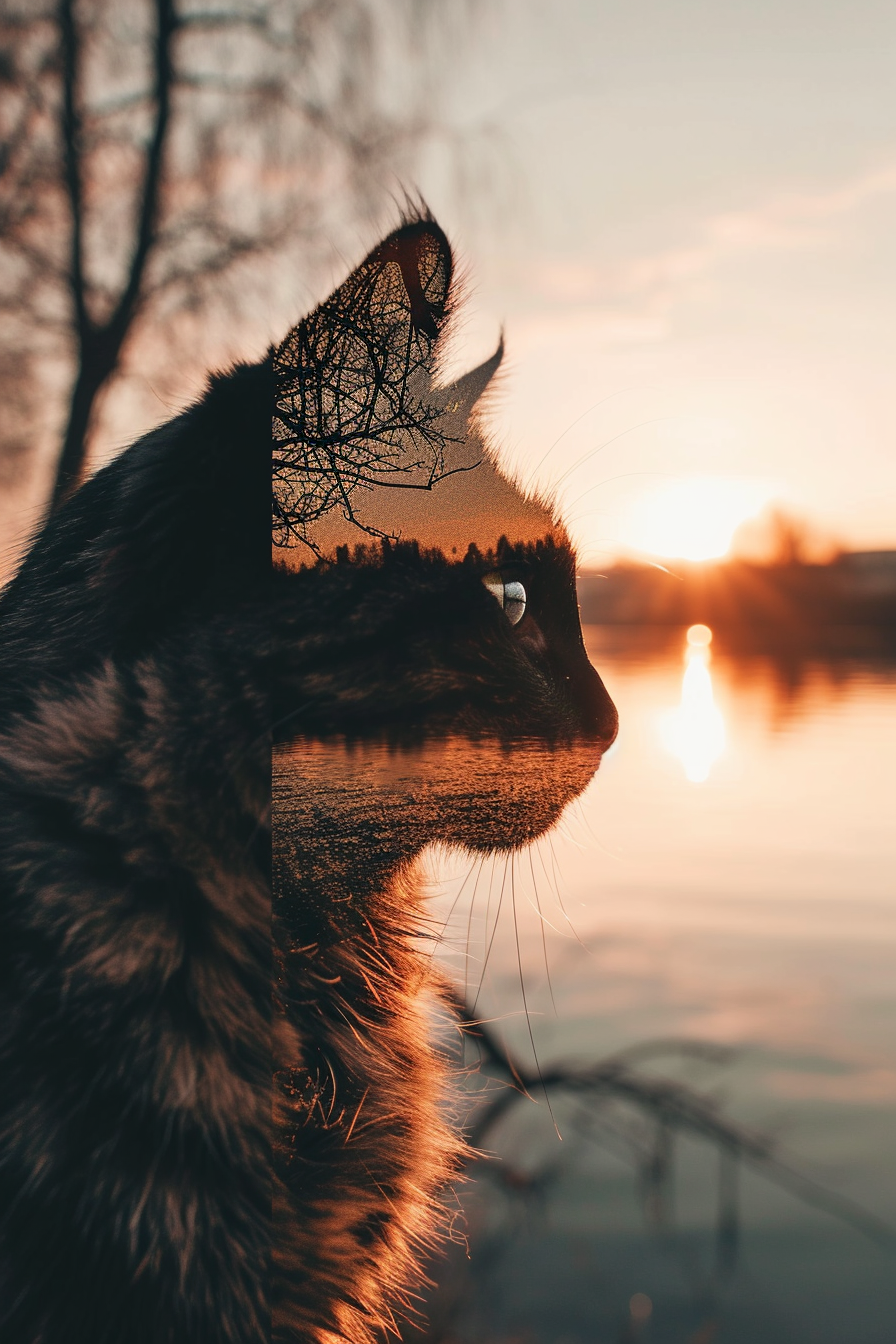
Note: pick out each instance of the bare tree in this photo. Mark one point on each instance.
(151, 150)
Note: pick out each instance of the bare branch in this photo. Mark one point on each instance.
(674, 1104)
(166, 23)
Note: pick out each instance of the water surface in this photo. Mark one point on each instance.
(728, 877)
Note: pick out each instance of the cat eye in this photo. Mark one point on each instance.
(510, 593)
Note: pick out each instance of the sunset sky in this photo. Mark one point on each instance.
(685, 217)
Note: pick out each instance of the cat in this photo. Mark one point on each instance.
(221, 1116)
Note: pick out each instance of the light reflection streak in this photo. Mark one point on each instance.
(695, 731)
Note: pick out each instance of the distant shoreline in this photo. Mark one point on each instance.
(845, 607)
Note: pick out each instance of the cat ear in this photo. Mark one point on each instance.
(353, 382)
(399, 294)
(459, 399)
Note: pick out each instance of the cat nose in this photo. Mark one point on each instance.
(606, 717)
(597, 712)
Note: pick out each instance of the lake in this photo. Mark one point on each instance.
(721, 901)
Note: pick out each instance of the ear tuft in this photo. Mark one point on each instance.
(423, 256)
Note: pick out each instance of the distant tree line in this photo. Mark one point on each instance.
(783, 604)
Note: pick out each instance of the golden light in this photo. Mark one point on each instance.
(695, 731)
(695, 518)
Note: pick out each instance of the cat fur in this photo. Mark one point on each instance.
(221, 1115)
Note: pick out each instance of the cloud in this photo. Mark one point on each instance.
(653, 283)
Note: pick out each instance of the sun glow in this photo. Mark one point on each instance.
(695, 518)
(695, 731)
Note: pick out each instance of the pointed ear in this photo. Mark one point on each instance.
(353, 381)
(460, 398)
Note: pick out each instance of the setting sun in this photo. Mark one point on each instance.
(695, 518)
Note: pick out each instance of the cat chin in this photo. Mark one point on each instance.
(485, 794)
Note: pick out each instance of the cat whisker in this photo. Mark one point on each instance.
(570, 839)
(470, 924)
(597, 842)
(563, 911)
(552, 886)
(569, 428)
(491, 940)
(499, 1017)
(537, 907)
(593, 452)
(544, 941)
(571, 519)
(444, 923)
(555, 891)
(519, 962)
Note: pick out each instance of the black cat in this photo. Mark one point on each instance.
(179, 1160)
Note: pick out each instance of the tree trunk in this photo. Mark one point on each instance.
(95, 366)
(99, 346)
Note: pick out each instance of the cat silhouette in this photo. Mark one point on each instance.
(221, 1114)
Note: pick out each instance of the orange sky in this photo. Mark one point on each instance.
(685, 217)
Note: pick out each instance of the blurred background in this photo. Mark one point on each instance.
(682, 218)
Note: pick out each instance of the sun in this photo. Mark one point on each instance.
(694, 518)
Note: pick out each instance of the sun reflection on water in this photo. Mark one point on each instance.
(695, 730)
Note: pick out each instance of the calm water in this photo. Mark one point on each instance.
(729, 877)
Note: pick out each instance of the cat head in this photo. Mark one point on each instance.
(432, 593)
(415, 587)
(369, 446)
